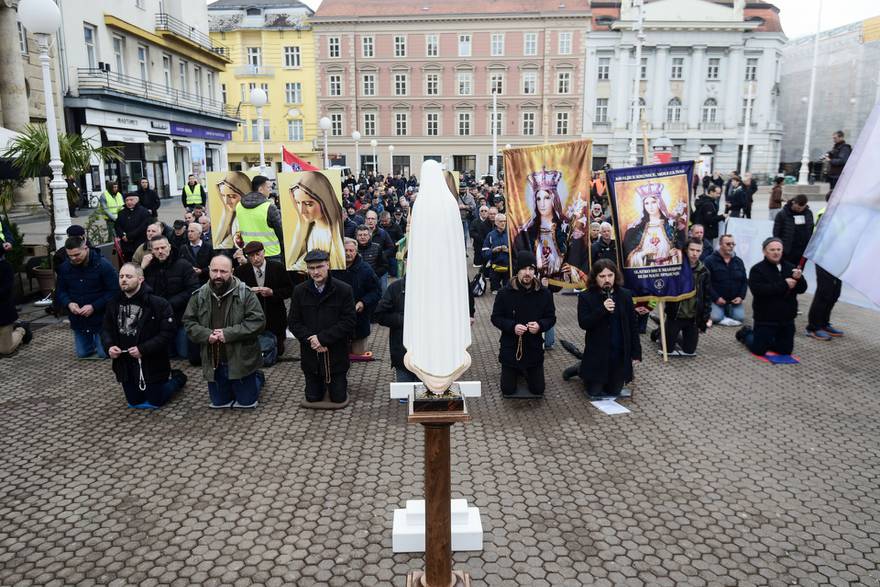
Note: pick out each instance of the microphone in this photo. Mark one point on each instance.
(607, 290)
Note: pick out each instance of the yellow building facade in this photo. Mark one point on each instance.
(272, 48)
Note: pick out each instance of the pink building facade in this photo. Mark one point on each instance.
(420, 82)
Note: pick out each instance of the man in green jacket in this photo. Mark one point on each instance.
(224, 317)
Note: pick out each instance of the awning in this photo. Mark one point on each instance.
(126, 136)
(6, 137)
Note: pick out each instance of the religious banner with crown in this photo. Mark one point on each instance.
(650, 210)
(548, 190)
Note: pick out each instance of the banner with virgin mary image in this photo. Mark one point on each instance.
(651, 207)
(225, 190)
(311, 216)
(548, 190)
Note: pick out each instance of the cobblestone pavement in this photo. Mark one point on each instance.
(729, 471)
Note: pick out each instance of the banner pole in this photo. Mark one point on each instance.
(661, 309)
(646, 158)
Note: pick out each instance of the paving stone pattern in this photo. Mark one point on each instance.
(729, 471)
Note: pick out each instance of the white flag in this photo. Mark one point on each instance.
(847, 240)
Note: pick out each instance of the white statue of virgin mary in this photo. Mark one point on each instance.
(436, 320)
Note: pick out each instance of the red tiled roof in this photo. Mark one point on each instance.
(342, 8)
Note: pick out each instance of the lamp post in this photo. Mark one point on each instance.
(804, 175)
(494, 169)
(391, 159)
(356, 136)
(374, 143)
(258, 100)
(42, 18)
(639, 29)
(747, 124)
(324, 124)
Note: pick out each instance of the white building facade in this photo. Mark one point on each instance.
(144, 76)
(701, 62)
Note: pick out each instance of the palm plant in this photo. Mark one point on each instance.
(29, 152)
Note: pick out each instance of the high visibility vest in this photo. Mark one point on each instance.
(819, 217)
(114, 203)
(253, 227)
(193, 197)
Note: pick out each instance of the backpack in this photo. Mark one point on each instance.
(478, 284)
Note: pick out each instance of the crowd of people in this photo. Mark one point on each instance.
(231, 310)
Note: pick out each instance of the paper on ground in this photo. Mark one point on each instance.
(610, 407)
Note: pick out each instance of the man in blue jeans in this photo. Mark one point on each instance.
(86, 283)
(225, 317)
(728, 284)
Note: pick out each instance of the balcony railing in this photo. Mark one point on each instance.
(711, 126)
(166, 22)
(254, 70)
(97, 81)
(675, 126)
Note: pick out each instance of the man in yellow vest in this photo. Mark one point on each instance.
(193, 193)
(259, 219)
(109, 205)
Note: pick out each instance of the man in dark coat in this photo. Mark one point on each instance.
(322, 317)
(365, 289)
(751, 188)
(173, 279)
(478, 231)
(793, 226)
(737, 198)
(523, 311)
(371, 252)
(611, 339)
(388, 247)
(706, 212)
(86, 283)
(149, 199)
(728, 283)
(270, 281)
(604, 247)
(774, 283)
(131, 225)
(389, 312)
(837, 157)
(138, 330)
(686, 319)
(197, 252)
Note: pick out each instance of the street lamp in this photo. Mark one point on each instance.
(42, 18)
(374, 143)
(391, 159)
(325, 125)
(258, 100)
(356, 136)
(639, 29)
(804, 175)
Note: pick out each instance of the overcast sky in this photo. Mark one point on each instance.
(799, 16)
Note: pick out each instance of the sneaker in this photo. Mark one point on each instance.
(673, 353)
(47, 301)
(239, 406)
(729, 322)
(684, 354)
(818, 334)
(476, 265)
(221, 406)
(831, 331)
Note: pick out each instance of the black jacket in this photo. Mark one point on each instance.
(278, 281)
(706, 213)
(364, 288)
(478, 230)
(726, 280)
(373, 256)
(514, 305)
(132, 223)
(795, 230)
(329, 315)
(838, 156)
(149, 199)
(201, 260)
(173, 280)
(701, 298)
(394, 232)
(772, 300)
(599, 249)
(156, 331)
(596, 322)
(389, 312)
(737, 199)
(8, 314)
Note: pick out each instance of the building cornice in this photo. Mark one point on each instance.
(317, 21)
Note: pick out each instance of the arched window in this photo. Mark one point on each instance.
(710, 110)
(673, 110)
(641, 111)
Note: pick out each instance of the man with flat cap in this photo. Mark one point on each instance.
(322, 318)
(269, 280)
(523, 312)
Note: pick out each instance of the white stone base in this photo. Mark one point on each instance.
(408, 532)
